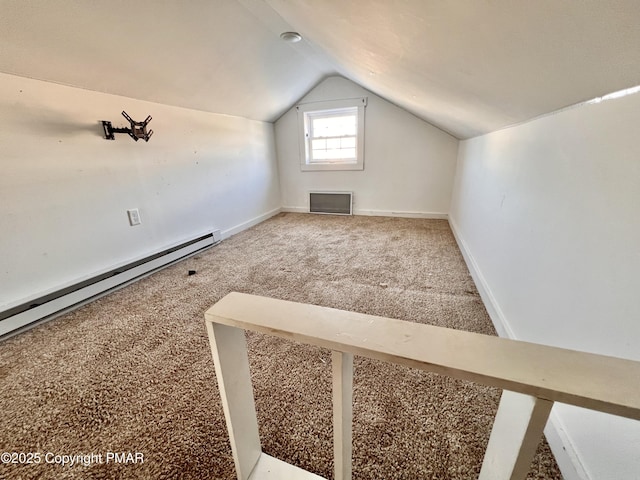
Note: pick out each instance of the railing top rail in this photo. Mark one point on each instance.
(597, 382)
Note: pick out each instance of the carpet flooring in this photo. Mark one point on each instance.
(132, 372)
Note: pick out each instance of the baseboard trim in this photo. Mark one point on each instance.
(566, 456)
(295, 209)
(379, 213)
(495, 312)
(401, 214)
(250, 223)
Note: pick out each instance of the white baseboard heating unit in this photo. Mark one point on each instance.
(333, 203)
(48, 306)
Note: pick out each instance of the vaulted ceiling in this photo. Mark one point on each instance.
(466, 66)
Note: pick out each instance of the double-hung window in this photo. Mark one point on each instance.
(332, 135)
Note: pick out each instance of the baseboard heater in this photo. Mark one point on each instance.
(334, 203)
(50, 305)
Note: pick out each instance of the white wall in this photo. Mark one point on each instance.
(409, 164)
(547, 213)
(64, 190)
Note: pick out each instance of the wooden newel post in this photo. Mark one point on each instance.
(342, 369)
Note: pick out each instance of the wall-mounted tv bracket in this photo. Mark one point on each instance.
(137, 131)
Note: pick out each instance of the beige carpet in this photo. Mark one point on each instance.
(133, 372)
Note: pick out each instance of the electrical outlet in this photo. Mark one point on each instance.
(134, 217)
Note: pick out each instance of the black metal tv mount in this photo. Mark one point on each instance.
(137, 131)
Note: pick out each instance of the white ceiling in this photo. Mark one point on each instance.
(467, 66)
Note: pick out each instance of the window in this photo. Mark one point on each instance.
(332, 135)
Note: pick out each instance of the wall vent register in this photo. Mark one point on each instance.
(335, 203)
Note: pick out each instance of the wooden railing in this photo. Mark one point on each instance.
(532, 377)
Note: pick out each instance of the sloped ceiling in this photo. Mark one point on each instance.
(211, 55)
(467, 66)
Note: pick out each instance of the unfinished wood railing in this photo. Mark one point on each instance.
(532, 377)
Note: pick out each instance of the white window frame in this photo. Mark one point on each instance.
(308, 110)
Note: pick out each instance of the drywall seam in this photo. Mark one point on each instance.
(250, 223)
(563, 449)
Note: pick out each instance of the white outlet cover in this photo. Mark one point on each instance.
(134, 217)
